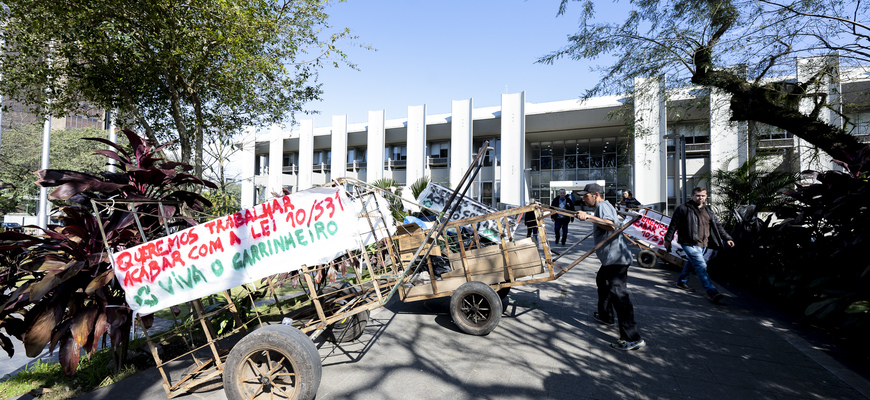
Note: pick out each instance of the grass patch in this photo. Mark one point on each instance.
(93, 373)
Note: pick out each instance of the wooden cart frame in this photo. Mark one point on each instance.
(280, 360)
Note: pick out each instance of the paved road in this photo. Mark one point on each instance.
(548, 346)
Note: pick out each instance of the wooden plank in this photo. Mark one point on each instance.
(208, 330)
(504, 252)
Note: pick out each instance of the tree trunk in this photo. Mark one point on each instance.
(777, 106)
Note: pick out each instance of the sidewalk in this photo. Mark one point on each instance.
(547, 346)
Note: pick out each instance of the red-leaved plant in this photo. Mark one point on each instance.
(58, 289)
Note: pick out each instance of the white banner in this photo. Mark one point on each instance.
(652, 227)
(310, 227)
(435, 196)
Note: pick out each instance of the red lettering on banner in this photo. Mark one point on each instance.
(264, 227)
(276, 205)
(176, 258)
(211, 224)
(234, 240)
(266, 210)
(123, 261)
(238, 219)
(338, 199)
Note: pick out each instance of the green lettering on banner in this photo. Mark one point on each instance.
(263, 251)
(279, 244)
(238, 261)
(255, 252)
(197, 274)
(320, 227)
(332, 227)
(288, 240)
(180, 279)
(249, 259)
(300, 237)
(142, 297)
(218, 268)
(168, 286)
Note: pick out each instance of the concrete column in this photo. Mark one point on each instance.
(276, 160)
(809, 156)
(728, 143)
(375, 143)
(247, 156)
(306, 154)
(650, 152)
(42, 212)
(338, 167)
(416, 142)
(461, 133)
(513, 149)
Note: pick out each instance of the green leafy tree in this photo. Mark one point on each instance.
(749, 185)
(699, 42)
(177, 69)
(21, 158)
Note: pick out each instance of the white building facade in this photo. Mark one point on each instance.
(627, 142)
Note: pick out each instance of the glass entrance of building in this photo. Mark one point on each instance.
(592, 159)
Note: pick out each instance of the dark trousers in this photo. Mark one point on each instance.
(562, 226)
(612, 283)
(532, 231)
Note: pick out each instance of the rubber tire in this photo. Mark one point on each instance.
(647, 259)
(476, 308)
(503, 292)
(279, 341)
(347, 329)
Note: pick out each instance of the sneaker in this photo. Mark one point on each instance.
(563, 243)
(601, 321)
(626, 345)
(716, 298)
(681, 285)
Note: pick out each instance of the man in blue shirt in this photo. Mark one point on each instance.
(612, 277)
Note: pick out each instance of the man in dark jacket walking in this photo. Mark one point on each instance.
(697, 229)
(561, 221)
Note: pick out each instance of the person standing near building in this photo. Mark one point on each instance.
(697, 229)
(562, 221)
(531, 222)
(628, 200)
(612, 277)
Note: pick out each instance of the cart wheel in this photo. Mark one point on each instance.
(275, 361)
(476, 308)
(646, 258)
(349, 328)
(503, 292)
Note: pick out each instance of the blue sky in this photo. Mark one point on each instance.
(433, 52)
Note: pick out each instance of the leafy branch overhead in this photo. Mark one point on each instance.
(742, 48)
(183, 70)
(59, 289)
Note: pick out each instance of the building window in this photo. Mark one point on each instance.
(439, 149)
(395, 153)
(858, 123)
(439, 153)
(604, 158)
(493, 156)
(322, 157)
(694, 134)
(766, 132)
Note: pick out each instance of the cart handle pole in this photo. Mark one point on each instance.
(477, 164)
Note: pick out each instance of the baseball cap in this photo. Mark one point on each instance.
(592, 188)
